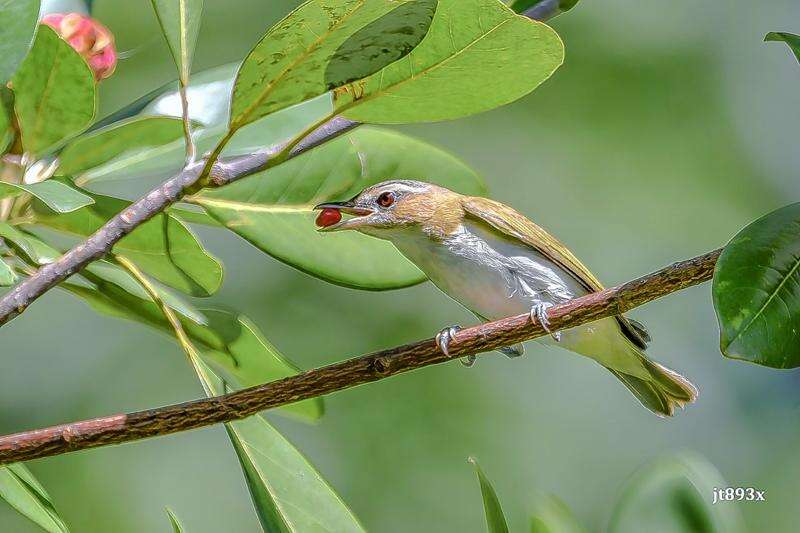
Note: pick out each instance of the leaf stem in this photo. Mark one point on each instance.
(183, 339)
(191, 149)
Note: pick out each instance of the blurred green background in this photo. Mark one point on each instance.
(670, 126)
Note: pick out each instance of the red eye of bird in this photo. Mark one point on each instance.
(386, 199)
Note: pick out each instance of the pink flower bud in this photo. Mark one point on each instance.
(89, 38)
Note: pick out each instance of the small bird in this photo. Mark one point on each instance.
(497, 263)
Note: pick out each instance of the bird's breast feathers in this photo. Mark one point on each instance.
(490, 274)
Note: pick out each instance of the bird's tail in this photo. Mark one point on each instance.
(662, 390)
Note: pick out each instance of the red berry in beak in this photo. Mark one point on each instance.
(328, 217)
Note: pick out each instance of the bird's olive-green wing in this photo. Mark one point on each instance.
(515, 225)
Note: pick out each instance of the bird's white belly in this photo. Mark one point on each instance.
(491, 276)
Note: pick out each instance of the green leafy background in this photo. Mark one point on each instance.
(667, 130)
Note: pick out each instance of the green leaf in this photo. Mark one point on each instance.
(231, 343)
(58, 196)
(322, 45)
(478, 55)
(180, 23)
(21, 490)
(6, 132)
(288, 493)
(495, 519)
(756, 291)
(209, 104)
(54, 93)
(272, 210)
(16, 33)
(209, 100)
(163, 247)
(792, 40)
(194, 216)
(102, 272)
(7, 275)
(173, 520)
(34, 249)
(123, 139)
(551, 515)
(542, 9)
(674, 494)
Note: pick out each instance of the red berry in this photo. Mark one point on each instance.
(328, 217)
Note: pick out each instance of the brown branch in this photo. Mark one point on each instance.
(199, 413)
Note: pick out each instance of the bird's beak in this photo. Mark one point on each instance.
(359, 218)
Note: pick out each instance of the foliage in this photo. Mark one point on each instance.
(54, 93)
(671, 494)
(20, 489)
(16, 33)
(792, 40)
(757, 291)
(495, 519)
(756, 282)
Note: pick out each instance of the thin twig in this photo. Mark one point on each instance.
(364, 369)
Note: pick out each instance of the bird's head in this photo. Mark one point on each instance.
(389, 207)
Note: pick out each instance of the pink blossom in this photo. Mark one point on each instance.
(93, 41)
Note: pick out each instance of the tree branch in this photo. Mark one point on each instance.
(224, 171)
(367, 368)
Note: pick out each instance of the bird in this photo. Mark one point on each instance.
(496, 263)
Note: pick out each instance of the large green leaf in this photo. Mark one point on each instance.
(209, 100)
(163, 247)
(674, 495)
(288, 493)
(54, 92)
(322, 45)
(21, 490)
(58, 196)
(229, 342)
(180, 23)
(478, 55)
(209, 104)
(16, 33)
(551, 515)
(495, 519)
(756, 291)
(792, 40)
(125, 139)
(7, 275)
(272, 210)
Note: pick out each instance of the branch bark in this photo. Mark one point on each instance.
(121, 428)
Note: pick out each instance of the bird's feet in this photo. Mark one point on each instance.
(443, 339)
(539, 314)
